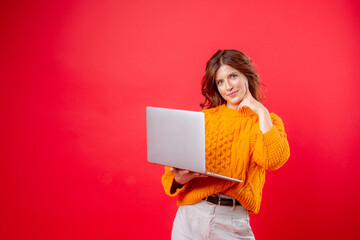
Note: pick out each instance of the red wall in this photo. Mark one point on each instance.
(76, 77)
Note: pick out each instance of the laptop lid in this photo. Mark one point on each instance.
(176, 138)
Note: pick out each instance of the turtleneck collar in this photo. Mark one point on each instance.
(228, 112)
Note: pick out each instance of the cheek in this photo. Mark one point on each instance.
(242, 85)
(221, 91)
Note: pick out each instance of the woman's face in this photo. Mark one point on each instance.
(231, 85)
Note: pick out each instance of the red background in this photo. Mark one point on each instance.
(76, 77)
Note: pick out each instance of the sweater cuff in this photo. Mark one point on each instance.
(271, 136)
(178, 190)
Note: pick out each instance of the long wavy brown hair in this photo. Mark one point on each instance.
(235, 59)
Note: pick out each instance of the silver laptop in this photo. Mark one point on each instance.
(176, 138)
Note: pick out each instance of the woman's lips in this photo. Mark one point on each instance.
(232, 94)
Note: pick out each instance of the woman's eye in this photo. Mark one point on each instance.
(233, 76)
(219, 82)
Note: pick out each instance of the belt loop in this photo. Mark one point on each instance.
(234, 203)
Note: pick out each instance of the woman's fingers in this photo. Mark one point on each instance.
(202, 175)
(246, 98)
(195, 174)
(244, 104)
(179, 171)
(183, 176)
(248, 93)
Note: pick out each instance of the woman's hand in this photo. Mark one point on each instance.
(183, 176)
(249, 101)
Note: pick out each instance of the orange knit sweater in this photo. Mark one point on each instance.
(235, 147)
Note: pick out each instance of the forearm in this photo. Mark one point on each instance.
(265, 122)
(272, 149)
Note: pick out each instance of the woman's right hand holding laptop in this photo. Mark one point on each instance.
(183, 176)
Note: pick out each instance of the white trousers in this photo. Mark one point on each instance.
(204, 220)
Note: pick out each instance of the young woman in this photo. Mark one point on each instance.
(242, 141)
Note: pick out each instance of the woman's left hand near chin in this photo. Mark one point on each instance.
(249, 101)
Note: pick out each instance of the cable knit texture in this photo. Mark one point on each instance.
(235, 147)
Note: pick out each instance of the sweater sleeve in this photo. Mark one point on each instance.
(272, 149)
(167, 181)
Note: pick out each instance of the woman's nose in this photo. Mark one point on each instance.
(228, 85)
